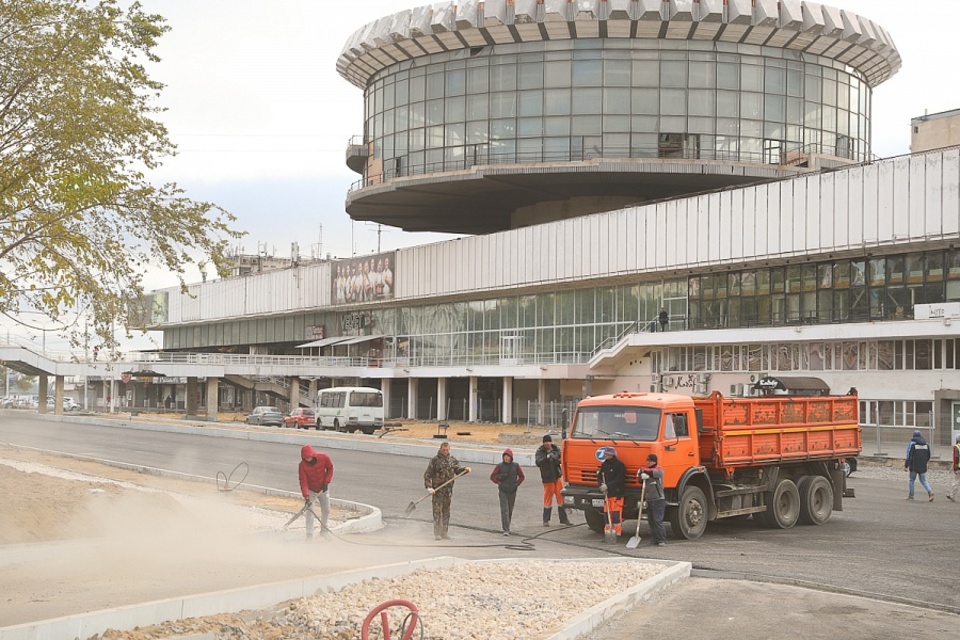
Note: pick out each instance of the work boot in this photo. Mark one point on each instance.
(563, 516)
(546, 516)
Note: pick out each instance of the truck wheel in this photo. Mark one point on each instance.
(816, 500)
(783, 506)
(595, 520)
(689, 519)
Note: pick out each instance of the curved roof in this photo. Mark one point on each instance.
(788, 24)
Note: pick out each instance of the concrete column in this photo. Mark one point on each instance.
(58, 395)
(213, 398)
(473, 399)
(42, 391)
(313, 392)
(191, 399)
(441, 399)
(294, 392)
(506, 415)
(386, 387)
(541, 400)
(412, 388)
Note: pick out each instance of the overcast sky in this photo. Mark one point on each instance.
(262, 119)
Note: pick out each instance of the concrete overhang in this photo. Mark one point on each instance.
(489, 198)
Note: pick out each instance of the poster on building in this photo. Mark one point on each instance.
(365, 279)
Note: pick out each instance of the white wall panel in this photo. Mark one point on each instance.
(600, 245)
(621, 229)
(758, 216)
(881, 224)
(552, 253)
(700, 238)
(737, 229)
(951, 193)
(823, 215)
(721, 220)
(633, 250)
(918, 200)
(869, 191)
(650, 215)
(663, 222)
(789, 241)
(748, 224)
(568, 230)
(768, 211)
(933, 205)
(901, 198)
(680, 238)
(800, 215)
(848, 210)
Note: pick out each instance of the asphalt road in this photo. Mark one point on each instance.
(898, 550)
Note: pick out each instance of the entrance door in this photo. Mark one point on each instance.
(511, 350)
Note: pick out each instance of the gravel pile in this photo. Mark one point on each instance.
(474, 601)
(939, 478)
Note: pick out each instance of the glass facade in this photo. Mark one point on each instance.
(850, 290)
(614, 98)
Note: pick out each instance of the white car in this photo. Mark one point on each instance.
(69, 404)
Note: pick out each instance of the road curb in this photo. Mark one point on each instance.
(89, 624)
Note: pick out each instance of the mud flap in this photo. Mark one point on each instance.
(840, 489)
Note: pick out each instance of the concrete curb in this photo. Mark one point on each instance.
(263, 596)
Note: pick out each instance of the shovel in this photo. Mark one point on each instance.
(634, 542)
(609, 534)
(308, 505)
(413, 505)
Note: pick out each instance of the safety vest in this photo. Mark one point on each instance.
(956, 456)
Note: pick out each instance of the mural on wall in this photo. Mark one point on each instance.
(364, 279)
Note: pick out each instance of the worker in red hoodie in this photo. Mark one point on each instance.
(316, 474)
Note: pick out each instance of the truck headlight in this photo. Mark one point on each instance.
(568, 500)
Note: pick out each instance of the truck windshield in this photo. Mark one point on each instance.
(617, 423)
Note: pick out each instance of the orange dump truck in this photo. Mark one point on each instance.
(781, 458)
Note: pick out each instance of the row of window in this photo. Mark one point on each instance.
(862, 355)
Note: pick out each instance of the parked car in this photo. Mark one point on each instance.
(8, 403)
(301, 418)
(266, 416)
(69, 404)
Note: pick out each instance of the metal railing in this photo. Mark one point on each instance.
(463, 157)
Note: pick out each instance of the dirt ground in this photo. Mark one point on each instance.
(73, 529)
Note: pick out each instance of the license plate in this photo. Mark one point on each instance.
(597, 503)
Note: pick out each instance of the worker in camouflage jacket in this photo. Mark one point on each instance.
(442, 468)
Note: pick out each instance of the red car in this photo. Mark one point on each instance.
(301, 418)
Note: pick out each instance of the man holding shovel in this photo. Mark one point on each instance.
(438, 480)
(651, 477)
(316, 474)
(612, 478)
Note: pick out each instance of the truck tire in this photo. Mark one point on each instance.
(816, 500)
(783, 506)
(689, 519)
(595, 520)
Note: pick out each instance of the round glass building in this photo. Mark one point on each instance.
(489, 115)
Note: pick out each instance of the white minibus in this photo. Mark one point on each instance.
(350, 409)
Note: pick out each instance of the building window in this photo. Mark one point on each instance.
(678, 145)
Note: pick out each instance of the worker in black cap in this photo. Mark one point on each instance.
(548, 459)
(651, 477)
